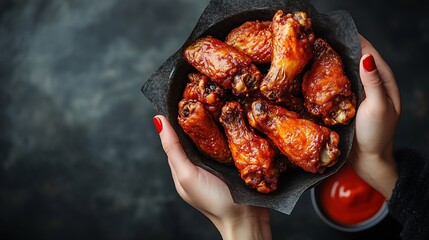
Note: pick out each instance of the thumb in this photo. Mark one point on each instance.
(371, 80)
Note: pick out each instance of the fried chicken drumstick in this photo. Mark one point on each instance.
(292, 46)
(253, 155)
(223, 64)
(203, 130)
(308, 145)
(326, 87)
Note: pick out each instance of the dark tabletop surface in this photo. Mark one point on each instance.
(79, 156)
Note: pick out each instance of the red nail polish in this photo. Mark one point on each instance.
(369, 63)
(158, 124)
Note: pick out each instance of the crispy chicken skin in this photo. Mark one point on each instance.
(292, 98)
(308, 145)
(253, 155)
(201, 88)
(223, 64)
(191, 90)
(254, 39)
(292, 46)
(204, 132)
(326, 88)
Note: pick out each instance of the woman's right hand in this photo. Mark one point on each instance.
(372, 153)
(209, 194)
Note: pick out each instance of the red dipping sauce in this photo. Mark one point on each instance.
(348, 200)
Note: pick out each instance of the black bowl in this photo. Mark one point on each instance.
(165, 87)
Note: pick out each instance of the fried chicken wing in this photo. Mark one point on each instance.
(292, 46)
(326, 87)
(253, 155)
(254, 39)
(198, 124)
(201, 88)
(191, 90)
(223, 64)
(308, 145)
(292, 103)
(292, 98)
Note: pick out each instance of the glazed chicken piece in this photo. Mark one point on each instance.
(201, 88)
(326, 87)
(295, 88)
(246, 105)
(253, 155)
(254, 39)
(223, 64)
(292, 46)
(292, 103)
(191, 90)
(198, 124)
(292, 98)
(308, 145)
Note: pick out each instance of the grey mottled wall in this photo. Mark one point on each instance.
(79, 157)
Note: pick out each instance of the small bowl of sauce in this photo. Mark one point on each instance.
(347, 203)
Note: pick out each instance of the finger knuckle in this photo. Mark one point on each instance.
(186, 178)
(169, 146)
(375, 81)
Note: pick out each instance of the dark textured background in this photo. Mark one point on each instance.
(79, 157)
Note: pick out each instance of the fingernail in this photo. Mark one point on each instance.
(369, 63)
(158, 124)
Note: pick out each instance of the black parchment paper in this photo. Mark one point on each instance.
(165, 87)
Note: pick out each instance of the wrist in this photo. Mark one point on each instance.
(246, 227)
(379, 171)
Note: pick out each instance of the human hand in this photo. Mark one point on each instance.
(372, 152)
(210, 195)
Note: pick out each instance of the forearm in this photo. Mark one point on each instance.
(245, 222)
(385, 181)
(380, 171)
(249, 228)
